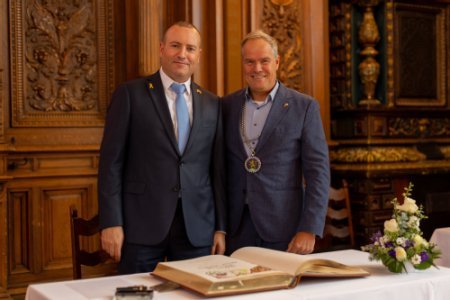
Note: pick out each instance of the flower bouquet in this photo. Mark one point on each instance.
(402, 242)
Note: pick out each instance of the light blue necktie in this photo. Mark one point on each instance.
(182, 115)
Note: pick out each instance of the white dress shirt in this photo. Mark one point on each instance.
(171, 96)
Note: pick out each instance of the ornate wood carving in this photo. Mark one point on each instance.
(419, 127)
(376, 154)
(340, 54)
(62, 62)
(281, 20)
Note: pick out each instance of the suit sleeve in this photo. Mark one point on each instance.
(316, 172)
(218, 173)
(112, 158)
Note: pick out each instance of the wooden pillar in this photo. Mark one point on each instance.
(150, 13)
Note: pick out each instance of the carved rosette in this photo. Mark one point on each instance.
(281, 20)
(62, 61)
(376, 155)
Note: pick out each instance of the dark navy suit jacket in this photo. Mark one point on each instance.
(292, 146)
(142, 174)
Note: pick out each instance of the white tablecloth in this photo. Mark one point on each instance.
(441, 237)
(429, 284)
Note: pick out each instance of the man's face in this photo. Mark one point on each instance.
(260, 67)
(180, 52)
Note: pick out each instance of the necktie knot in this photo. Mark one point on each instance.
(178, 88)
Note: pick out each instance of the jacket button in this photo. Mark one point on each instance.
(176, 189)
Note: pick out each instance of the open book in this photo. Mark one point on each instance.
(250, 269)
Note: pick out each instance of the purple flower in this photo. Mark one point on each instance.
(391, 253)
(424, 256)
(389, 245)
(376, 236)
(408, 244)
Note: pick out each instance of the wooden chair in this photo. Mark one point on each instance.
(338, 232)
(81, 227)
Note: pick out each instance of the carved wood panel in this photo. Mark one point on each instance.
(19, 231)
(282, 19)
(39, 226)
(420, 72)
(62, 62)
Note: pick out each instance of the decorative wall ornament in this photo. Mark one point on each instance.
(340, 27)
(281, 20)
(389, 15)
(376, 155)
(445, 150)
(419, 127)
(62, 61)
(369, 68)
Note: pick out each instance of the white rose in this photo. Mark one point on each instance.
(400, 253)
(419, 241)
(409, 205)
(391, 225)
(414, 222)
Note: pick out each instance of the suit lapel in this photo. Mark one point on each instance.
(158, 97)
(197, 109)
(235, 120)
(279, 109)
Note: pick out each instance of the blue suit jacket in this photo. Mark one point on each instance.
(142, 174)
(292, 147)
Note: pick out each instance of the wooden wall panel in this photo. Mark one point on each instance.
(39, 230)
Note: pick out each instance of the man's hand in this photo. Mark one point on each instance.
(218, 243)
(302, 243)
(112, 240)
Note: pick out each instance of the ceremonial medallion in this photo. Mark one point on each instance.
(252, 164)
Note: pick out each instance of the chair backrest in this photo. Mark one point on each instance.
(338, 232)
(82, 227)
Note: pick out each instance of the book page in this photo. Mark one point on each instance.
(218, 268)
(296, 264)
(273, 259)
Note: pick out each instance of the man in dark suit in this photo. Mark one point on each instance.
(161, 193)
(277, 158)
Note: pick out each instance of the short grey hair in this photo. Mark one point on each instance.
(259, 34)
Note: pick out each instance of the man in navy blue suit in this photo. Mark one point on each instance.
(161, 181)
(277, 158)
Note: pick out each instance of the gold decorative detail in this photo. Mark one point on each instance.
(390, 90)
(376, 154)
(281, 20)
(369, 68)
(150, 85)
(62, 60)
(419, 127)
(446, 151)
(199, 91)
(425, 166)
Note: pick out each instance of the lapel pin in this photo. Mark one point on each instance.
(285, 105)
(199, 91)
(150, 85)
